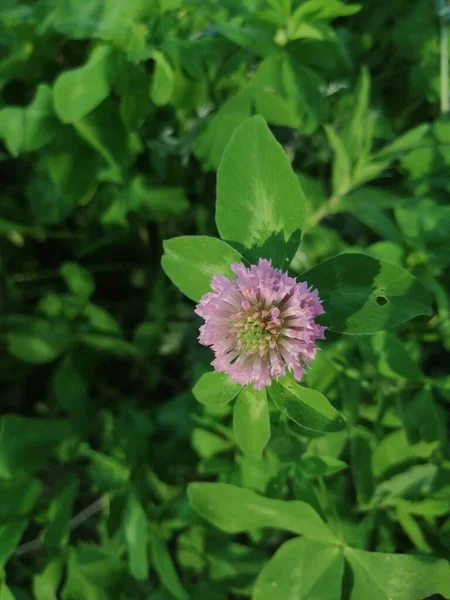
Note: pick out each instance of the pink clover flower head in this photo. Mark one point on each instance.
(261, 324)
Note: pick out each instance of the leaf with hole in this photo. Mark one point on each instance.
(363, 295)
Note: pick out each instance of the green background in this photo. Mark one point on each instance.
(114, 116)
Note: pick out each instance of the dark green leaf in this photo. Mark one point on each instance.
(364, 295)
(308, 408)
(28, 129)
(26, 443)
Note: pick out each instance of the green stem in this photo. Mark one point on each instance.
(444, 58)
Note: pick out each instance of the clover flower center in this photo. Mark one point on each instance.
(256, 329)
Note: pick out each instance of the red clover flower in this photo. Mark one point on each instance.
(260, 324)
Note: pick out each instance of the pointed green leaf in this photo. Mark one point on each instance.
(59, 513)
(165, 568)
(342, 166)
(192, 261)
(46, 583)
(163, 80)
(10, 534)
(405, 142)
(308, 408)
(251, 421)
(320, 466)
(260, 206)
(234, 509)
(136, 536)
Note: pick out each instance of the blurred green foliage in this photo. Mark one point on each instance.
(114, 115)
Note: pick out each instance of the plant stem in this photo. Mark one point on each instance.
(444, 57)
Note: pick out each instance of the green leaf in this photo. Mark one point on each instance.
(304, 88)
(92, 574)
(191, 262)
(211, 143)
(301, 569)
(163, 81)
(357, 129)
(303, 490)
(77, 92)
(394, 361)
(109, 343)
(374, 218)
(325, 9)
(6, 594)
(132, 86)
(215, 388)
(106, 471)
(18, 496)
(111, 143)
(73, 168)
(40, 343)
(251, 421)
(361, 461)
(421, 417)
(46, 583)
(308, 408)
(320, 466)
(165, 568)
(10, 535)
(342, 167)
(47, 202)
(414, 483)
(136, 536)
(256, 182)
(26, 443)
(363, 295)
(395, 449)
(381, 576)
(235, 509)
(78, 279)
(208, 444)
(258, 39)
(405, 142)
(59, 513)
(30, 128)
(270, 94)
(156, 202)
